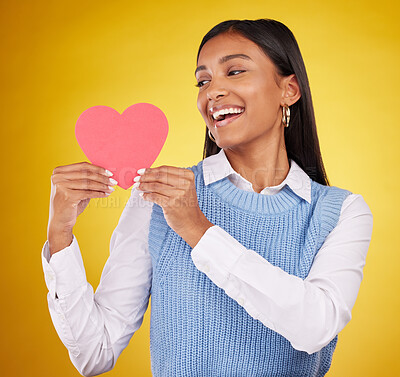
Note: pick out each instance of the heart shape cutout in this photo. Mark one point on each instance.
(122, 143)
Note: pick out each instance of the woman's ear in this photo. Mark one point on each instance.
(291, 92)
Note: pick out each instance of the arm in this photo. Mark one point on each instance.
(96, 327)
(311, 312)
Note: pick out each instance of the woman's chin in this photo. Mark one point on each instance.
(226, 141)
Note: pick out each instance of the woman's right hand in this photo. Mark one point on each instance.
(72, 187)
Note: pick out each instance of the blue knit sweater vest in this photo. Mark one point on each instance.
(196, 329)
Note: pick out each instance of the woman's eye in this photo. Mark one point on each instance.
(200, 83)
(235, 70)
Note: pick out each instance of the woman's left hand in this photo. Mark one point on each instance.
(174, 189)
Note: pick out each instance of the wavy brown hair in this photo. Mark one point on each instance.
(280, 45)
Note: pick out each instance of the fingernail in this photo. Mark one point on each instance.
(141, 194)
(141, 171)
(108, 173)
(136, 185)
(137, 178)
(112, 181)
(111, 188)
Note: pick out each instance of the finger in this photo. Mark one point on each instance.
(159, 199)
(84, 174)
(78, 195)
(87, 185)
(170, 175)
(80, 166)
(160, 188)
(173, 201)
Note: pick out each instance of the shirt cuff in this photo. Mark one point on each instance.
(64, 271)
(216, 253)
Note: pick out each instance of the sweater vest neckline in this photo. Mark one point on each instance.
(251, 201)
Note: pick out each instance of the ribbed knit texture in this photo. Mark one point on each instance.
(196, 328)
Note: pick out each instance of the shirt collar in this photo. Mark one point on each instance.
(217, 167)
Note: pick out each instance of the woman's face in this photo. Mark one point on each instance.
(234, 73)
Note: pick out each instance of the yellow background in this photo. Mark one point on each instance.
(61, 57)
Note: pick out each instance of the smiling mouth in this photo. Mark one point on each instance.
(225, 119)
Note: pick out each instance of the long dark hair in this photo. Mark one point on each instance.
(280, 45)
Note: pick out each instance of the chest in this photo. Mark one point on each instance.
(287, 240)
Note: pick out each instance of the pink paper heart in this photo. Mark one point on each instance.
(122, 143)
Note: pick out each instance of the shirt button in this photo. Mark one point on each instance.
(241, 301)
(51, 276)
(206, 267)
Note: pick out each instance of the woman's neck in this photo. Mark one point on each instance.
(262, 167)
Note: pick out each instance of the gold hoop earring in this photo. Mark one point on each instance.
(285, 115)
(210, 136)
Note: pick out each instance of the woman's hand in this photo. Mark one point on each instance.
(174, 189)
(72, 187)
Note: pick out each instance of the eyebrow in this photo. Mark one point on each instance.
(224, 59)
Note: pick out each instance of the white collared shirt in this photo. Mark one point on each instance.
(217, 167)
(96, 327)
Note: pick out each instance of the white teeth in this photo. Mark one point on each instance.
(227, 111)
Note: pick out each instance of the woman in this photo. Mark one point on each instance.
(252, 260)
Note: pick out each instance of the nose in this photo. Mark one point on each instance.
(216, 90)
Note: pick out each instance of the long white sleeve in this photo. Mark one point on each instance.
(310, 312)
(96, 327)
